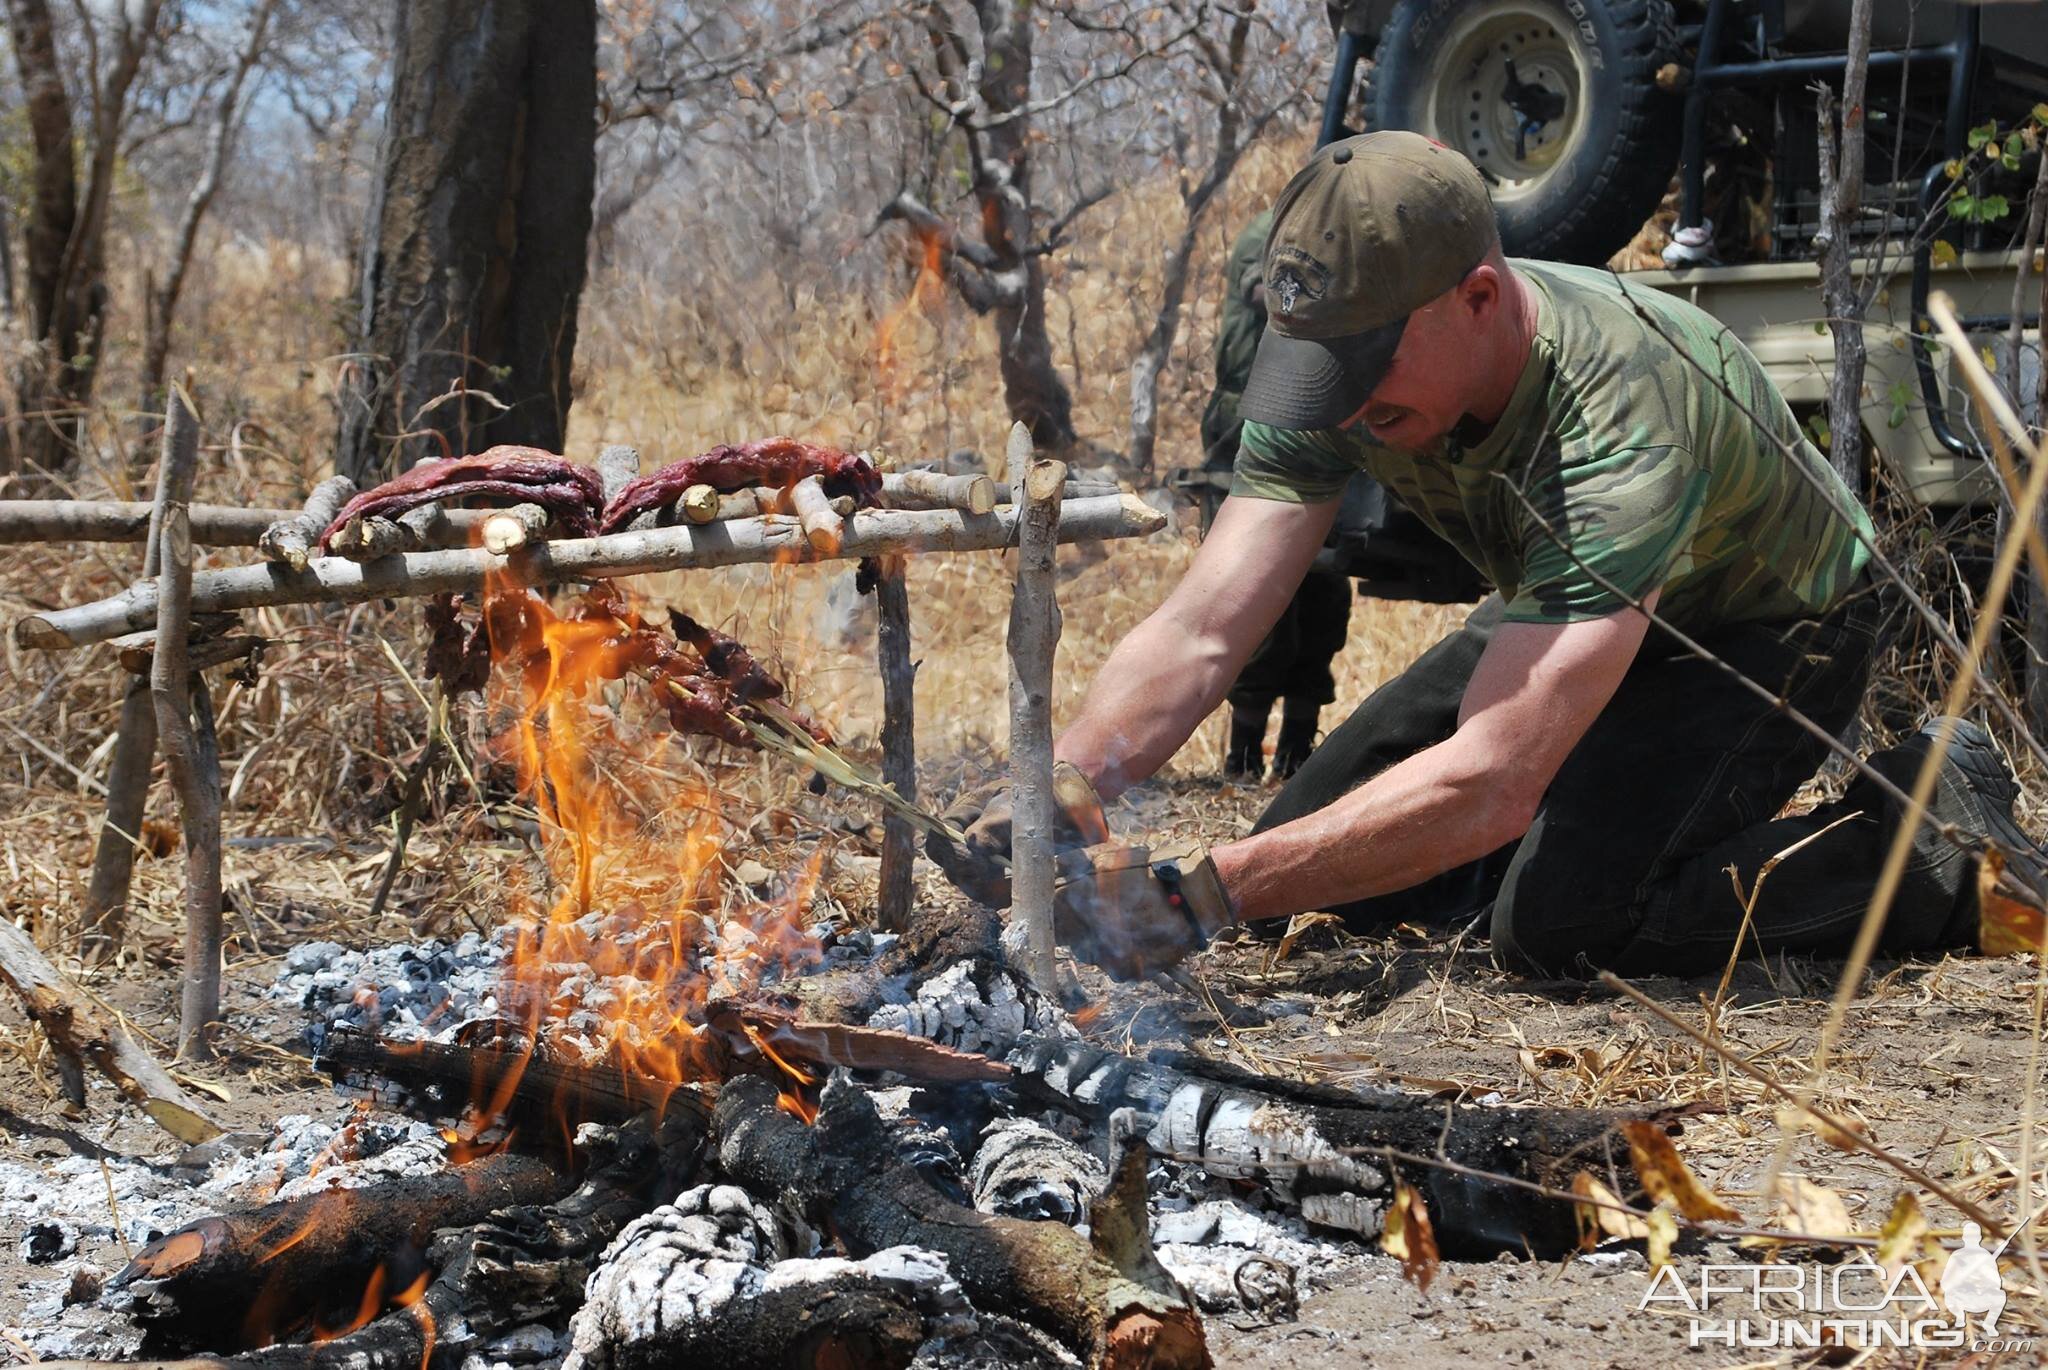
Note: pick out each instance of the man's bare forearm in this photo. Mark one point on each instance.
(1150, 696)
(1419, 818)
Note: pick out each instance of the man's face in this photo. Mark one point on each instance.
(1429, 386)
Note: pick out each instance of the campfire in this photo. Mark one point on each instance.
(651, 1122)
(654, 1116)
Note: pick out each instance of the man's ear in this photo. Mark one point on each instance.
(1479, 292)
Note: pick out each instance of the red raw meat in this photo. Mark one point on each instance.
(778, 462)
(571, 493)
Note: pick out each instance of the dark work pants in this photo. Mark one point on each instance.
(1680, 777)
(1293, 662)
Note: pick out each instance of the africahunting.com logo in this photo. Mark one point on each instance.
(1857, 1303)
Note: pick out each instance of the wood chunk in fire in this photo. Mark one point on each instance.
(710, 1278)
(1105, 1297)
(239, 1280)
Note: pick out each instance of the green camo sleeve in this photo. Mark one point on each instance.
(1288, 464)
(1624, 518)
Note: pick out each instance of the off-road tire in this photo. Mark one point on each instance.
(1608, 179)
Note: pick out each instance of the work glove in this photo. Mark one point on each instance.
(1134, 909)
(980, 866)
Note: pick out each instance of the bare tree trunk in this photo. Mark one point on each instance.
(1841, 198)
(473, 261)
(162, 304)
(66, 231)
(1226, 65)
(1036, 395)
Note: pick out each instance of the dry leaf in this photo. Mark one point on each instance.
(1906, 1238)
(1806, 1209)
(1408, 1236)
(1296, 926)
(2004, 924)
(1663, 1232)
(1597, 1219)
(159, 838)
(1666, 1178)
(1842, 1134)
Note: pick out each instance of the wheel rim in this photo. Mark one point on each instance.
(1509, 93)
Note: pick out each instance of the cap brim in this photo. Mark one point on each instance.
(1316, 382)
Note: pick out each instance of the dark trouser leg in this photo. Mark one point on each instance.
(1679, 779)
(1414, 710)
(1322, 613)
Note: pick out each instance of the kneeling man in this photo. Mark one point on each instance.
(1597, 451)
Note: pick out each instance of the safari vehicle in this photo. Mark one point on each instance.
(1580, 112)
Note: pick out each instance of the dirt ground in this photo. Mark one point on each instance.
(1937, 1060)
(1934, 1061)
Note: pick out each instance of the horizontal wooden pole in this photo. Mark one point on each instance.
(870, 532)
(213, 525)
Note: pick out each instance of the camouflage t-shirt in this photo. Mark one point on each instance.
(1634, 461)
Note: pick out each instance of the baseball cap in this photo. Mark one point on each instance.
(1372, 229)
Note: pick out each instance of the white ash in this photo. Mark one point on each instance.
(428, 990)
(306, 1155)
(1024, 1169)
(688, 1261)
(403, 991)
(1233, 1257)
(953, 1010)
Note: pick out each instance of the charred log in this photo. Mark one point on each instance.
(707, 1277)
(512, 1082)
(1105, 1298)
(1328, 1151)
(238, 1279)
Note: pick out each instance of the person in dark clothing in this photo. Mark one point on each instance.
(1292, 664)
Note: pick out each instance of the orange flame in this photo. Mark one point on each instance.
(630, 835)
(927, 293)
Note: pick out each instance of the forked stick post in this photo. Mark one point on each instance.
(190, 754)
(899, 742)
(1034, 636)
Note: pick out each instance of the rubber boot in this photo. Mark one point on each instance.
(1245, 757)
(1297, 736)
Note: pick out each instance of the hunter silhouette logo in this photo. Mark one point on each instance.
(1970, 1282)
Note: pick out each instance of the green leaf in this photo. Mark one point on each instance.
(1962, 205)
(1820, 326)
(1991, 208)
(2041, 114)
(1981, 135)
(2015, 147)
(1899, 395)
(1822, 434)
(1944, 252)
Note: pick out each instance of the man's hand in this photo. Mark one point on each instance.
(1134, 910)
(980, 867)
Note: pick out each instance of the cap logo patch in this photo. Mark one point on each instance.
(1293, 274)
